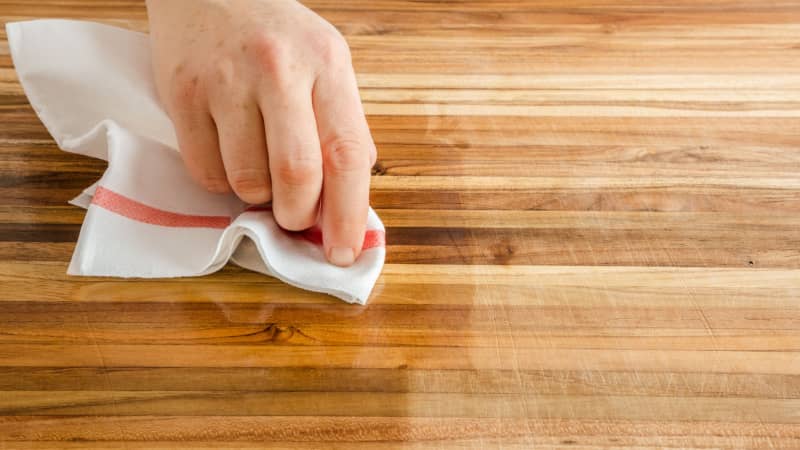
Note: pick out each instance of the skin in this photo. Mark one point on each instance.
(265, 104)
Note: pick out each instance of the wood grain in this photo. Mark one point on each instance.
(593, 224)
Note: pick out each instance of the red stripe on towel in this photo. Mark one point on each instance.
(372, 238)
(134, 210)
(140, 212)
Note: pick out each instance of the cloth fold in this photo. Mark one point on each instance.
(91, 86)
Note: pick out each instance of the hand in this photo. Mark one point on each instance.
(264, 101)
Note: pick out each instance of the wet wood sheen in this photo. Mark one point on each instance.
(593, 214)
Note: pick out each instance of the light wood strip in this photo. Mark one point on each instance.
(225, 288)
(538, 276)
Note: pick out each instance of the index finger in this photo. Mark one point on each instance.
(347, 152)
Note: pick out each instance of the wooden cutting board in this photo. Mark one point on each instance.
(593, 214)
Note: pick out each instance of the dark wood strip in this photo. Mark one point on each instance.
(368, 405)
(245, 379)
(274, 321)
(674, 246)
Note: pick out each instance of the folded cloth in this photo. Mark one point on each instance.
(92, 88)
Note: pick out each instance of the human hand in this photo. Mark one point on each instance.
(264, 101)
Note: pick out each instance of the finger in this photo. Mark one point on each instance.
(347, 151)
(244, 149)
(199, 148)
(294, 159)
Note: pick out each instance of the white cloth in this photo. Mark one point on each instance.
(92, 88)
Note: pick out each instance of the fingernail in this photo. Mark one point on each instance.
(341, 256)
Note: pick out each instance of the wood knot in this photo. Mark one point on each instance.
(502, 252)
(276, 333)
(378, 169)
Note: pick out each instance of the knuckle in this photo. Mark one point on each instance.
(185, 92)
(251, 186)
(298, 171)
(331, 47)
(270, 52)
(221, 74)
(213, 183)
(217, 186)
(290, 220)
(204, 175)
(346, 155)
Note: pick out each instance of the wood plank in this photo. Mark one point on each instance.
(351, 404)
(539, 382)
(441, 284)
(681, 246)
(346, 430)
(397, 357)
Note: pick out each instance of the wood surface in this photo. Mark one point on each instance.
(593, 215)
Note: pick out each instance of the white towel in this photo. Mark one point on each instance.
(92, 87)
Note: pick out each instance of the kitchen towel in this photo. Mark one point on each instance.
(92, 87)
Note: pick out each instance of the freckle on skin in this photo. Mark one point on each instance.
(244, 47)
